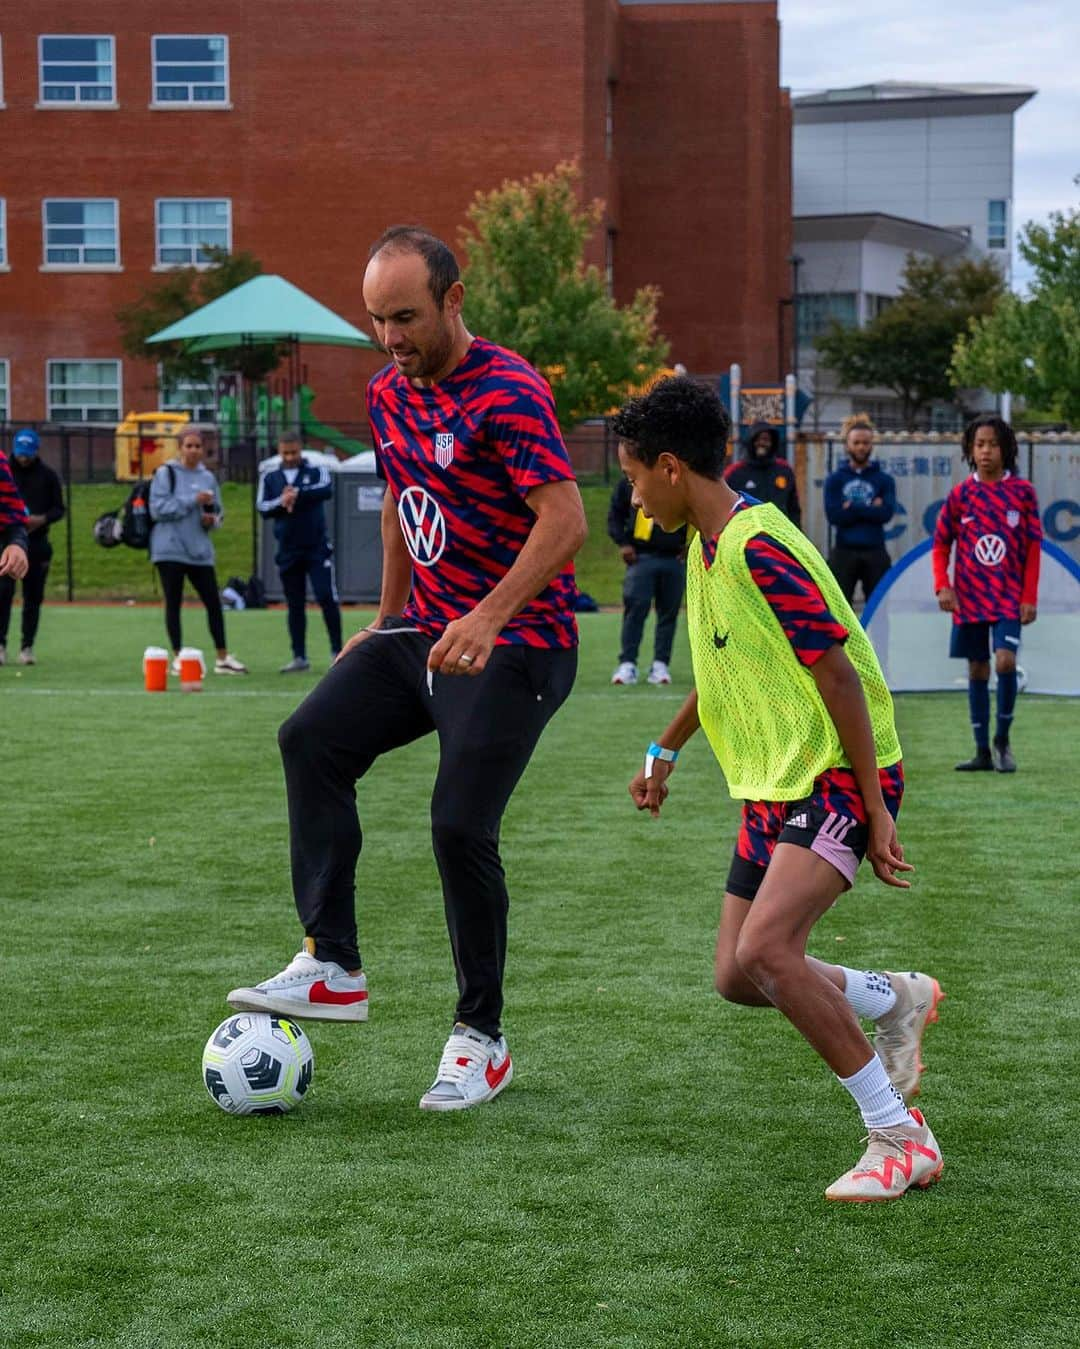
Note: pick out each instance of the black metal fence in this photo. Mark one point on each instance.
(86, 453)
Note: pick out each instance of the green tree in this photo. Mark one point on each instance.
(908, 347)
(529, 289)
(179, 293)
(1032, 346)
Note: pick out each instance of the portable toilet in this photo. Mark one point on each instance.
(358, 546)
(145, 441)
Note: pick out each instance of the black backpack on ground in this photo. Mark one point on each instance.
(252, 591)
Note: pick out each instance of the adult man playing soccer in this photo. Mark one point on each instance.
(993, 519)
(797, 712)
(480, 520)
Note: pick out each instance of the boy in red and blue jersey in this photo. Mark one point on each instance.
(992, 518)
(475, 639)
(14, 539)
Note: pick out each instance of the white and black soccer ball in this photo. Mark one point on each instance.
(258, 1064)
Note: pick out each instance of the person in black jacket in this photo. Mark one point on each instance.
(292, 496)
(655, 573)
(764, 473)
(860, 500)
(39, 487)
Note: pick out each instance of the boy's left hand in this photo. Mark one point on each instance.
(884, 851)
(651, 793)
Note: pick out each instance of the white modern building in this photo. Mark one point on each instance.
(880, 171)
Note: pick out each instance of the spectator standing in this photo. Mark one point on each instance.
(764, 473)
(992, 520)
(39, 487)
(655, 574)
(860, 500)
(292, 496)
(185, 506)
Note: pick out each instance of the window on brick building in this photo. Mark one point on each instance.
(3, 232)
(198, 398)
(191, 70)
(83, 391)
(816, 312)
(1, 72)
(997, 232)
(77, 69)
(185, 227)
(81, 233)
(5, 387)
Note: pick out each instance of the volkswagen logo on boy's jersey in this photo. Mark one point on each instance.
(990, 550)
(422, 525)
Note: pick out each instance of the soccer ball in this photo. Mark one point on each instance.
(258, 1064)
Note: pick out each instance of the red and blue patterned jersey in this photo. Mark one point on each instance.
(791, 592)
(459, 458)
(995, 527)
(12, 508)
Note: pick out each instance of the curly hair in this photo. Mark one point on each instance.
(1006, 439)
(858, 421)
(442, 266)
(678, 416)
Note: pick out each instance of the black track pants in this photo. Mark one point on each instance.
(374, 700)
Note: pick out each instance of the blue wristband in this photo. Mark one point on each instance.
(655, 752)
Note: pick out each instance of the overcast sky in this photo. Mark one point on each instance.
(833, 43)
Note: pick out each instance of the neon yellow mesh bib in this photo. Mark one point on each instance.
(759, 707)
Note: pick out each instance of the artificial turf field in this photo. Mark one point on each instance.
(654, 1175)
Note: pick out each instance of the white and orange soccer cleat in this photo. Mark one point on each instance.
(896, 1159)
(898, 1034)
(474, 1068)
(318, 989)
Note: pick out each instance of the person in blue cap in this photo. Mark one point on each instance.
(39, 486)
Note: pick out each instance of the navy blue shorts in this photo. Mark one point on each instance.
(972, 641)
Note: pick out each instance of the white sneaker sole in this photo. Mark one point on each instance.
(451, 1104)
(251, 1000)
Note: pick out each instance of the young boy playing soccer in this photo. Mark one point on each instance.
(795, 707)
(993, 519)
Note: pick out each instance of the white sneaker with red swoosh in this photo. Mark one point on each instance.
(473, 1069)
(306, 987)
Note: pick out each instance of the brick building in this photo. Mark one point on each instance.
(131, 134)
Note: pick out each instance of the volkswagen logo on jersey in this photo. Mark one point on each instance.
(444, 448)
(990, 550)
(422, 525)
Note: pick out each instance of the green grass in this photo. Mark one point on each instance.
(124, 573)
(654, 1175)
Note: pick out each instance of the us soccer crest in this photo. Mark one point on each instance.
(1012, 518)
(444, 448)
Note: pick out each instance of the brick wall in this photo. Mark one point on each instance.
(352, 115)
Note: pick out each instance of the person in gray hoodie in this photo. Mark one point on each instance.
(185, 506)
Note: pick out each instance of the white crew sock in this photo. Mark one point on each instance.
(881, 1105)
(869, 993)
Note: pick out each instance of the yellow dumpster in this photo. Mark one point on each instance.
(144, 440)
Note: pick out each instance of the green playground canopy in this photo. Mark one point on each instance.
(264, 309)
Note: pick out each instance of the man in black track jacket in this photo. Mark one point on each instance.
(292, 496)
